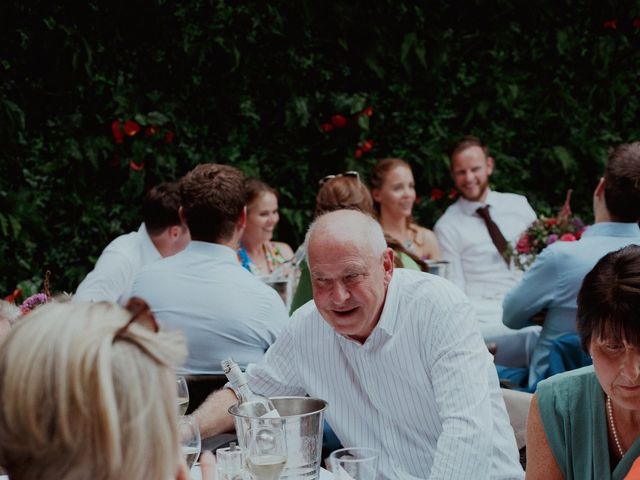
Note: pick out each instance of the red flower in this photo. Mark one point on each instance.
(357, 154)
(135, 167)
(580, 232)
(326, 127)
(523, 245)
(453, 193)
(636, 23)
(16, 294)
(436, 194)
(338, 121)
(368, 111)
(568, 237)
(367, 145)
(168, 137)
(117, 132)
(131, 128)
(549, 222)
(150, 131)
(611, 24)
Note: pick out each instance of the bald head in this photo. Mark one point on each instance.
(351, 268)
(348, 227)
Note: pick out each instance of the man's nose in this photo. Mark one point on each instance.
(340, 292)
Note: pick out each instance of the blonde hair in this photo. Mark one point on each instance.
(83, 397)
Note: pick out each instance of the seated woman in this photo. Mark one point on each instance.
(393, 191)
(346, 191)
(257, 252)
(88, 391)
(585, 424)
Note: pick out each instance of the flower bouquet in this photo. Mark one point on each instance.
(565, 227)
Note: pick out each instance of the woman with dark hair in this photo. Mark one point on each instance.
(585, 424)
(394, 194)
(258, 253)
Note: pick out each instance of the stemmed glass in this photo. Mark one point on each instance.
(183, 394)
(266, 449)
(189, 434)
(354, 463)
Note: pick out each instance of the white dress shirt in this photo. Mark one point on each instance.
(475, 264)
(223, 309)
(112, 277)
(422, 389)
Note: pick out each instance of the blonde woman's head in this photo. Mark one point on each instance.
(82, 395)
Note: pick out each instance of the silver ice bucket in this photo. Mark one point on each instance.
(302, 418)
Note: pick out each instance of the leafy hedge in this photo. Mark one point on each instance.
(267, 86)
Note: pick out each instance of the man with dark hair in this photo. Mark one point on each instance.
(161, 234)
(222, 308)
(474, 232)
(553, 281)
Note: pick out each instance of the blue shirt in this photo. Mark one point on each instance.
(553, 282)
(222, 309)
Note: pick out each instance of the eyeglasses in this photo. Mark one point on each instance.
(141, 314)
(350, 173)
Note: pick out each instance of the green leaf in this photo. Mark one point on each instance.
(566, 159)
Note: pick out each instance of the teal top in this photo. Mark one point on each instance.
(573, 413)
(304, 292)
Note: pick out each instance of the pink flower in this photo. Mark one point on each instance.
(568, 237)
(523, 245)
(552, 239)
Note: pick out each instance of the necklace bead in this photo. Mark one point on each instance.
(612, 424)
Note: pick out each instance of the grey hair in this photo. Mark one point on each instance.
(361, 227)
(82, 401)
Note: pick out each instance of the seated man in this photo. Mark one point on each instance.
(552, 283)
(473, 238)
(222, 308)
(161, 234)
(396, 354)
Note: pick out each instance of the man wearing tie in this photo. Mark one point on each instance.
(474, 232)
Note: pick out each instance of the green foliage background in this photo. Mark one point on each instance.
(547, 85)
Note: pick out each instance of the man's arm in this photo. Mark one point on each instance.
(450, 252)
(212, 416)
(109, 280)
(533, 294)
(459, 364)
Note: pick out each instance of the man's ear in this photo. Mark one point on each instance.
(490, 165)
(387, 264)
(242, 219)
(599, 191)
(182, 216)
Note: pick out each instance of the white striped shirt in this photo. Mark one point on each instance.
(422, 389)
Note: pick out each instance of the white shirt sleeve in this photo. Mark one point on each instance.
(110, 279)
(450, 252)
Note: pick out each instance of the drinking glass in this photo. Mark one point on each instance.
(354, 463)
(183, 394)
(266, 449)
(189, 434)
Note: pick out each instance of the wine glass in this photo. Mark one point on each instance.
(189, 435)
(354, 463)
(266, 449)
(183, 394)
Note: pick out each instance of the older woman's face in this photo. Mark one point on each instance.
(617, 366)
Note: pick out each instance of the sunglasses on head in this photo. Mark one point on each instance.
(140, 314)
(350, 173)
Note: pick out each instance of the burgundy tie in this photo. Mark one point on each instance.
(494, 231)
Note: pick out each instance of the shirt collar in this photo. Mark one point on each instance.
(149, 246)
(469, 207)
(218, 250)
(612, 229)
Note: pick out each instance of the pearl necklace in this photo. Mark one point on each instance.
(613, 427)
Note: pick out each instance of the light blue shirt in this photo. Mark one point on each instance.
(553, 282)
(222, 309)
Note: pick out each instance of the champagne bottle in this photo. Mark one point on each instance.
(249, 403)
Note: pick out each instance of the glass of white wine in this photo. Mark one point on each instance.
(183, 394)
(189, 439)
(266, 451)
